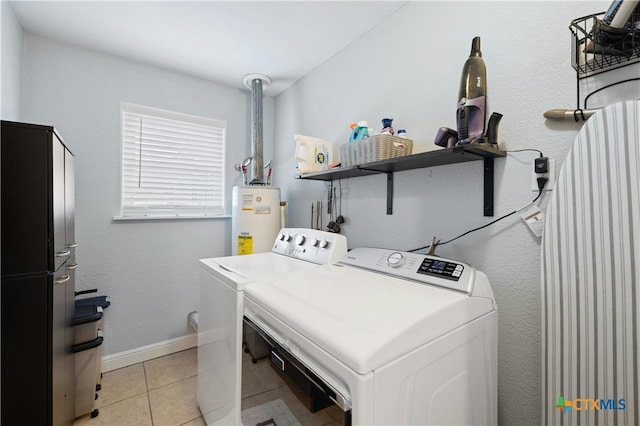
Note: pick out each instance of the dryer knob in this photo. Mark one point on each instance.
(313, 242)
(285, 237)
(300, 240)
(395, 259)
(323, 243)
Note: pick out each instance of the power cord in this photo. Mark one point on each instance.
(526, 149)
(542, 181)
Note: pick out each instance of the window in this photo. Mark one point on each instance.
(172, 164)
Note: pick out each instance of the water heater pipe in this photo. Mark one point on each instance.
(256, 82)
(192, 319)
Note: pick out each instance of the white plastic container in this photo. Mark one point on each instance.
(88, 362)
(255, 219)
(313, 154)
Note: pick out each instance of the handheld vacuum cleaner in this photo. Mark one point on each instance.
(471, 113)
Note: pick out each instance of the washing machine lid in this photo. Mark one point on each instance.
(237, 271)
(365, 319)
(294, 248)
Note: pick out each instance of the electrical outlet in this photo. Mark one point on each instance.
(551, 175)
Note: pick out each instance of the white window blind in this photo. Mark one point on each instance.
(172, 164)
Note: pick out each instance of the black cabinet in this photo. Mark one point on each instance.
(38, 278)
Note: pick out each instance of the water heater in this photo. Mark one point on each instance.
(256, 219)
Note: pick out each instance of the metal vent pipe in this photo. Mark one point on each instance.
(256, 82)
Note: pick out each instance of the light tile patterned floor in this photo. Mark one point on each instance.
(162, 392)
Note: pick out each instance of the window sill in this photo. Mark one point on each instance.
(145, 218)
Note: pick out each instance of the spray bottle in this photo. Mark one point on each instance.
(471, 115)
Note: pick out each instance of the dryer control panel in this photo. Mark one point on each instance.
(416, 267)
(441, 268)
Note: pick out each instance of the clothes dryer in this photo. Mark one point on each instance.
(390, 337)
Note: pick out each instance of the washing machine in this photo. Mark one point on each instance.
(389, 337)
(220, 311)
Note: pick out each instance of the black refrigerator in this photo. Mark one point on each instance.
(38, 283)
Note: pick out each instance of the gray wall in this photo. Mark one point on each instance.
(11, 60)
(149, 268)
(408, 68)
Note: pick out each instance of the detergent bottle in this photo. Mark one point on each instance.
(359, 131)
(313, 154)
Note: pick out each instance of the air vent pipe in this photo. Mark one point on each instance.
(256, 82)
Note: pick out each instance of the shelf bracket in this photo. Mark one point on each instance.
(389, 192)
(488, 186)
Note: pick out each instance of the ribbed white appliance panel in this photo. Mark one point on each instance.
(590, 276)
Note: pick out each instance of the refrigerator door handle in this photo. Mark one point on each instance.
(62, 279)
(63, 253)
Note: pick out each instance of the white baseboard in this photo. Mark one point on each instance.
(145, 353)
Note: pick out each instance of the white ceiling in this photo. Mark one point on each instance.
(217, 40)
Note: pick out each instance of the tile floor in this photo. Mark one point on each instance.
(162, 392)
